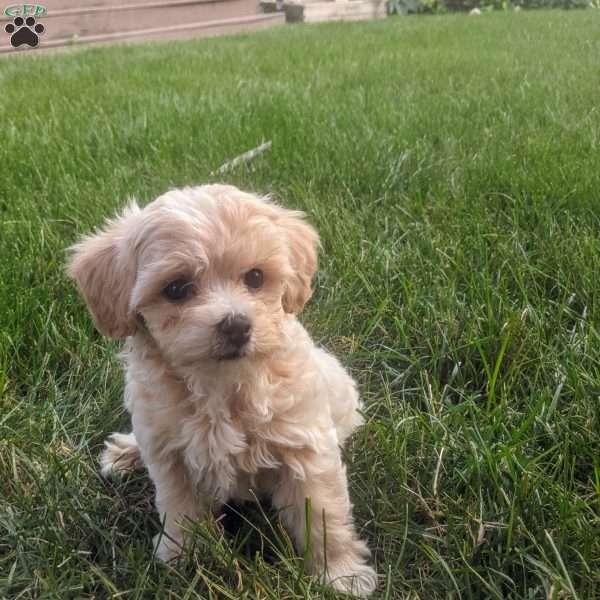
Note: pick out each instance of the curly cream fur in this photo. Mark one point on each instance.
(210, 430)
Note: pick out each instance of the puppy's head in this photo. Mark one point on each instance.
(210, 273)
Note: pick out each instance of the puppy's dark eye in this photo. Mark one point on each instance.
(254, 279)
(178, 290)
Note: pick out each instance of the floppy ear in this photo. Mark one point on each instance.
(303, 244)
(104, 267)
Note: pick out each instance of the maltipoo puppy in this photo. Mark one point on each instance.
(228, 395)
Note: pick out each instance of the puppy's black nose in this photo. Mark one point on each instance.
(235, 329)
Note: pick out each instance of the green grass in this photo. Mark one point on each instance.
(452, 166)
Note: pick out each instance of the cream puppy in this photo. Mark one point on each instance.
(228, 395)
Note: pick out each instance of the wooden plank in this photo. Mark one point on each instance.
(108, 7)
(71, 26)
(215, 27)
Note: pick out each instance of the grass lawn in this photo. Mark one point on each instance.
(452, 166)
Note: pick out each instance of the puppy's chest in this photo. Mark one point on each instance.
(222, 450)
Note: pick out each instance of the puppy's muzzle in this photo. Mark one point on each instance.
(234, 331)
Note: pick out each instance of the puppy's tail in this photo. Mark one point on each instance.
(121, 455)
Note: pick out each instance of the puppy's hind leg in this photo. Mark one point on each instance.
(121, 455)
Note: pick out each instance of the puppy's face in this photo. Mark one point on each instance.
(208, 272)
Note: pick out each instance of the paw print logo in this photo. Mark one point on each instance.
(24, 31)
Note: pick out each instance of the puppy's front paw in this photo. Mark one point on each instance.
(351, 574)
(166, 548)
(359, 580)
